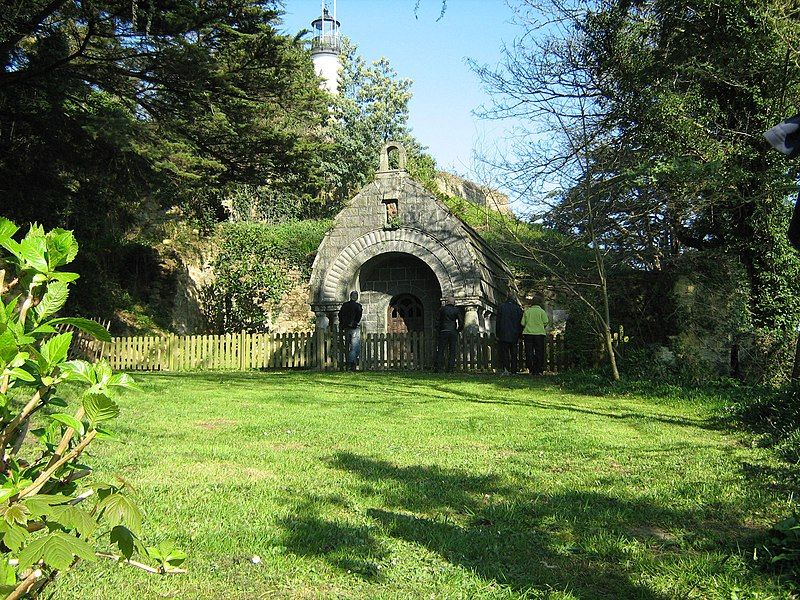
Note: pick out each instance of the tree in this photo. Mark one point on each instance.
(111, 110)
(681, 91)
(371, 109)
(545, 83)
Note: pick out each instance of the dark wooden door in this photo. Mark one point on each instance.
(405, 314)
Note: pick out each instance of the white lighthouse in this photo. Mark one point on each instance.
(325, 48)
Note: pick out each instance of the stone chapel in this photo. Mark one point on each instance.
(404, 251)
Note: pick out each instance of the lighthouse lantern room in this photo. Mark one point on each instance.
(325, 48)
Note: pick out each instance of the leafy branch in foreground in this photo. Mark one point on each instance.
(48, 519)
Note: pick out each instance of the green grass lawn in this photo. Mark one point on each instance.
(380, 485)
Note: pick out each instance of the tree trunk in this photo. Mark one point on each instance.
(612, 357)
(796, 368)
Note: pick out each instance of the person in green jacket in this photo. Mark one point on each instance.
(534, 328)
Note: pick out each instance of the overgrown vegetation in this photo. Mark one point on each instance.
(256, 265)
(125, 109)
(50, 518)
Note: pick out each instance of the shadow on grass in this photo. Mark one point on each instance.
(347, 547)
(576, 541)
(559, 405)
(379, 387)
(782, 477)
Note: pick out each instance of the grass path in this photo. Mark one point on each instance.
(377, 485)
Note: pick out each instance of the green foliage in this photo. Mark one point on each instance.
(113, 111)
(254, 269)
(49, 520)
(657, 107)
(371, 109)
(784, 547)
(688, 137)
(774, 414)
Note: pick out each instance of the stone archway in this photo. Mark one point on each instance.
(395, 215)
(341, 275)
(391, 276)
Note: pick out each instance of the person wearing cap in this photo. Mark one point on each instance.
(534, 328)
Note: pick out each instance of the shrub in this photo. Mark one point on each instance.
(50, 519)
(253, 271)
(784, 546)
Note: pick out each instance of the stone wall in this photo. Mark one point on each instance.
(423, 228)
(458, 187)
(390, 275)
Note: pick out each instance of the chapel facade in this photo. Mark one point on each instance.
(404, 251)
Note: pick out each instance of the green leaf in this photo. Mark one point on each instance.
(56, 401)
(79, 370)
(22, 374)
(176, 558)
(64, 276)
(69, 421)
(33, 249)
(7, 491)
(15, 536)
(44, 328)
(39, 504)
(167, 554)
(57, 550)
(8, 576)
(7, 230)
(61, 247)
(55, 349)
(123, 380)
(126, 541)
(103, 372)
(99, 407)
(117, 509)
(19, 359)
(53, 300)
(93, 328)
(105, 434)
(8, 346)
(72, 517)
(16, 513)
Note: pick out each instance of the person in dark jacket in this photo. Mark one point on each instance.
(448, 325)
(509, 332)
(350, 322)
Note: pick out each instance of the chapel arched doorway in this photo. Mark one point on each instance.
(405, 314)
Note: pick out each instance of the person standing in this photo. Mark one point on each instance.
(448, 324)
(534, 328)
(350, 322)
(509, 330)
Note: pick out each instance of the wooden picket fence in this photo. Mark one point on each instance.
(307, 350)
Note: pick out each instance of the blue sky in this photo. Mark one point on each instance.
(432, 53)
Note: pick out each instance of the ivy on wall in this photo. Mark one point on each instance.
(256, 265)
